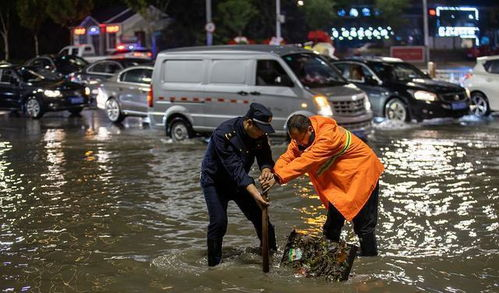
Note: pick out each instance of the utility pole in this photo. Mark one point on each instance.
(425, 31)
(209, 33)
(278, 19)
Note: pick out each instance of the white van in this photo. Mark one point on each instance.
(195, 89)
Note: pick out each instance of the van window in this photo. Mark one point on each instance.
(228, 71)
(313, 71)
(270, 73)
(189, 71)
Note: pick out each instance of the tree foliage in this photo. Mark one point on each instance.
(67, 12)
(7, 11)
(391, 11)
(32, 15)
(319, 13)
(236, 14)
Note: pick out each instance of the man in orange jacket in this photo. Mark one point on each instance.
(343, 170)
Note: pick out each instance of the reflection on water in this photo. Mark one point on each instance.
(91, 206)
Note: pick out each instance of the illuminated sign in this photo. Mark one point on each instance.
(79, 31)
(362, 33)
(112, 28)
(457, 22)
(93, 30)
(456, 31)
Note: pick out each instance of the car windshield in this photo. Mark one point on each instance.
(397, 71)
(313, 71)
(28, 75)
(71, 60)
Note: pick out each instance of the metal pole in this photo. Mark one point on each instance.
(425, 30)
(209, 35)
(265, 237)
(278, 19)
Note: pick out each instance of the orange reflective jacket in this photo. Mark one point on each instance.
(343, 169)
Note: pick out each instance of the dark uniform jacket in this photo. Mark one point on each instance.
(230, 155)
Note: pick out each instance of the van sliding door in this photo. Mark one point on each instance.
(226, 92)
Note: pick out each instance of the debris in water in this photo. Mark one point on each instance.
(314, 256)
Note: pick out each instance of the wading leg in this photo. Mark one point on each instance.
(217, 210)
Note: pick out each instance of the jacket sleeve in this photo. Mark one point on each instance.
(231, 161)
(290, 166)
(291, 153)
(264, 156)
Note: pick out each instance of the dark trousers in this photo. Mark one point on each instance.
(217, 199)
(364, 223)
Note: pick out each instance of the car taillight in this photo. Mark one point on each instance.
(149, 54)
(150, 98)
(468, 76)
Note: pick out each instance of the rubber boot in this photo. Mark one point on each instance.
(214, 252)
(368, 246)
(333, 235)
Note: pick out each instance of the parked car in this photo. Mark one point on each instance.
(483, 84)
(95, 73)
(59, 66)
(22, 89)
(399, 91)
(125, 94)
(195, 89)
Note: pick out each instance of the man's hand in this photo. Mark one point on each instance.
(266, 185)
(266, 175)
(260, 201)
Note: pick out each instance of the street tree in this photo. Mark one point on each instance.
(154, 14)
(67, 12)
(7, 11)
(391, 11)
(319, 13)
(236, 14)
(32, 16)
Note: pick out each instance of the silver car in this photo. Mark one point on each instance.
(125, 94)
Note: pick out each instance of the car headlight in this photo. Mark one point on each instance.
(52, 94)
(425, 96)
(323, 105)
(367, 104)
(468, 93)
(87, 91)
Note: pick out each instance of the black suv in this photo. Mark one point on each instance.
(22, 89)
(399, 91)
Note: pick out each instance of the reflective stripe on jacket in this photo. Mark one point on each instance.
(343, 169)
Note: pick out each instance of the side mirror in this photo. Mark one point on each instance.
(371, 81)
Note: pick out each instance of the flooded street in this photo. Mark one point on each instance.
(89, 206)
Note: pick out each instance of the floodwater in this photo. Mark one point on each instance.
(87, 206)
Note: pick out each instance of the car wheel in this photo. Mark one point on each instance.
(395, 109)
(180, 130)
(76, 111)
(479, 105)
(33, 108)
(113, 111)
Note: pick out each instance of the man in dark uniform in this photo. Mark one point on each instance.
(224, 174)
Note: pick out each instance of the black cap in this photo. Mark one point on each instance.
(262, 117)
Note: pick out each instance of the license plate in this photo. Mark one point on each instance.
(459, 106)
(76, 100)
